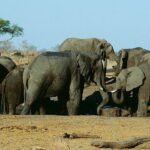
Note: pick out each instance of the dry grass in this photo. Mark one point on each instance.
(24, 58)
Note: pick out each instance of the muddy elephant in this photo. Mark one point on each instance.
(62, 74)
(129, 58)
(91, 44)
(136, 82)
(12, 90)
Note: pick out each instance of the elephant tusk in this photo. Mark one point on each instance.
(113, 91)
(111, 80)
(101, 88)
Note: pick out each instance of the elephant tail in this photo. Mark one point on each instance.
(4, 106)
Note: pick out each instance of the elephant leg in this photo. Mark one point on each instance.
(74, 102)
(105, 100)
(26, 109)
(31, 97)
(42, 110)
(143, 98)
(11, 109)
(142, 108)
(61, 105)
(75, 95)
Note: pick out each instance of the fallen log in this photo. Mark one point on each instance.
(75, 136)
(130, 143)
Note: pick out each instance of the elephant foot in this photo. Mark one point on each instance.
(141, 114)
(72, 108)
(25, 110)
(99, 110)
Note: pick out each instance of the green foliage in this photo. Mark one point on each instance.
(12, 30)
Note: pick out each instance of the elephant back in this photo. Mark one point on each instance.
(6, 65)
(7, 62)
(80, 44)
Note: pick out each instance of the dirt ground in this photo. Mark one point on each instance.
(46, 132)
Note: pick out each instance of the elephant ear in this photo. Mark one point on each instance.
(135, 78)
(100, 46)
(84, 65)
(102, 54)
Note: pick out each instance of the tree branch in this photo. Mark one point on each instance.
(75, 136)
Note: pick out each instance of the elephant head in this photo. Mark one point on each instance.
(6, 65)
(110, 54)
(93, 68)
(122, 61)
(129, 79)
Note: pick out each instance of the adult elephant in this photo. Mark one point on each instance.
(90, 44)
(62, 74)
(13, 95)
(12, 90)
(6, 65)
(130, 57)
(136, 81)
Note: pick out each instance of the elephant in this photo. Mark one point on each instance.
(62, 74)
(129, 58)
(136, 82)
(90, 44)
(12, 90)
(6, 65)
(13, 93)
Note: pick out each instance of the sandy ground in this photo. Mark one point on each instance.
(46, 132)
(31, 132)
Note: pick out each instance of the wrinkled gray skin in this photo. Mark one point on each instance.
(61, 74)
(12, 90)
(13, 93)
(130, 57)
(136, 78)
(90, 44)
(6, 65)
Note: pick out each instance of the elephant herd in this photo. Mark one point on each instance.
(29, 89)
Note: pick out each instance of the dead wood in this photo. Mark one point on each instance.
(130, 143)
(75, 136)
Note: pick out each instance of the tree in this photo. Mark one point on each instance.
(25, 46)
(6, 46)
(7, 29)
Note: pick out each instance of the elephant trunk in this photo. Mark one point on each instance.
(103, 74)
(118, 97)
(114, 57)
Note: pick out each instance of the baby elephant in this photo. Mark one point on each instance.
(12, 90)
